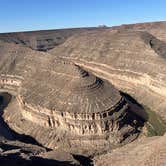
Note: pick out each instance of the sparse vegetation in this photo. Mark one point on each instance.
(156, 126)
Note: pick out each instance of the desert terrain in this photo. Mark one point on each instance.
(84, 96)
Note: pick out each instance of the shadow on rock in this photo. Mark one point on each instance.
(15, 160)
(84, 161)
(5, 131)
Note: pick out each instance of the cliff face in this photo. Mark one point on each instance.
(78, 110)
(132, 61)
(67, 105)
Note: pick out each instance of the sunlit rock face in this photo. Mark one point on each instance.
(83, 103)
(79, 102)
(133, 61)
(68, 97)
(64, 100)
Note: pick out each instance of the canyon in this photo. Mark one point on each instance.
(84, 93)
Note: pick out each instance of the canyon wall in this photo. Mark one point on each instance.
(10, 83)
(76, 123)
(126, 59)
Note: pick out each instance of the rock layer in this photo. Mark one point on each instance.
(127, 59)
(45, 39)
(62, 99)
(67, 101)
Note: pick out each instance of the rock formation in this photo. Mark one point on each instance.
(127, 59)
(71, 97)
(72, 104)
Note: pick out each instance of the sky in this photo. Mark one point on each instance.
(28, 15)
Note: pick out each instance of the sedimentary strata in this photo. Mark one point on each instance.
(66, 100)
(127, 59)
(45, 39)
(10, 83)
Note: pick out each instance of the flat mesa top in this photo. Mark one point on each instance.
(66, 87)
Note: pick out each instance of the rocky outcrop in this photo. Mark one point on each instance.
(49, 94)
(105, 115)
(126, 59)
(68, 98)
(10, 83)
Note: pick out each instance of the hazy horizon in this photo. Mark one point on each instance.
(23, 15)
